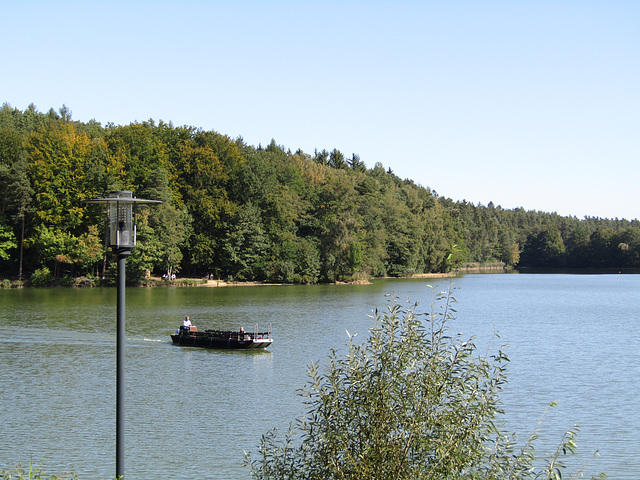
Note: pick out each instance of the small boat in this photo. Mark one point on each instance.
(222, 339)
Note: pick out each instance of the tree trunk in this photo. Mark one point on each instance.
(21, 249)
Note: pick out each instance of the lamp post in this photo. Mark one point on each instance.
(121, 237)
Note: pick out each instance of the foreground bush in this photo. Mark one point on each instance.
(19, 472)
(411, 402)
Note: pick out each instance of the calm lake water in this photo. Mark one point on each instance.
(190, 413)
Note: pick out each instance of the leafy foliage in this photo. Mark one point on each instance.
(254, 213)
(412, 401)
(33, 472)
(7, 241)
(19, 472)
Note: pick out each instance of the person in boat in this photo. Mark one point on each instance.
(243, 335)
(186, 323)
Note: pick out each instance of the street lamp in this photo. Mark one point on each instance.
(121, 237)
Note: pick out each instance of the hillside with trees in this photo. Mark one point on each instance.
(254, 213)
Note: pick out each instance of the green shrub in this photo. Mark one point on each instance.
(19, 472)
(412, 401)
(42, 277)
(6, 283)
(66, 281)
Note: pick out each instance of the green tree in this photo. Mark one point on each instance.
(509, 251)
(629, 247)
(321, 157)
(372, 211)
(10, 149)
(544, 248)
(403, 234)
(56, 170)
(244, 245)
(205, 165)
(81, 252)
(19, 185)
(412, 402)
(7, 241)
(336, 159)
(338, 221)
(602, 246)
(356, 164)
(164, 228)
(89, 249)
(577, 246)
(53, 247)
(308, 262)
(16, 193)
(136, 150)
(354, 262)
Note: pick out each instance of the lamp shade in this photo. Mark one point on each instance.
(121, 232)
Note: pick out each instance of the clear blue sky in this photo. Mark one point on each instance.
(531, 104)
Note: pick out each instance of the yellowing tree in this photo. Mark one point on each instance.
(57, 164)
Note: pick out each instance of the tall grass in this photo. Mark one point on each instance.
(32, 472)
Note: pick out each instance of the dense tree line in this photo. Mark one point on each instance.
(243, 212)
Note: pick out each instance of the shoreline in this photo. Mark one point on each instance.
(156, 281)
(201, 282)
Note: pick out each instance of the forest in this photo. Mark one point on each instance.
(255, 213)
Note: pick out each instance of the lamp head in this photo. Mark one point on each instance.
(121, 230)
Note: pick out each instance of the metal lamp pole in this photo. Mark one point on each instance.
(121, 233)
(122, 254)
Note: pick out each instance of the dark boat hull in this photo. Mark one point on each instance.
(232, 341)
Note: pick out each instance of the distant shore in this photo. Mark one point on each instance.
(156, 281)
(203, 282)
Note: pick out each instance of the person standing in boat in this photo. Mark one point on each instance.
(186, 323)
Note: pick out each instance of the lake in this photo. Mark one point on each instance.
(190, 413)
